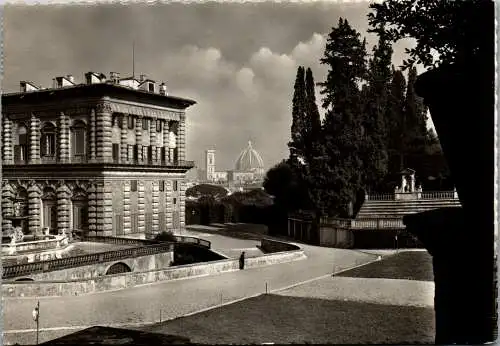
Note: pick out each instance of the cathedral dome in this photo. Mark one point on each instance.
(249, 160)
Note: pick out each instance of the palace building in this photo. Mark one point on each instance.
(105, 156)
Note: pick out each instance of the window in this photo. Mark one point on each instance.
(158, 125)
(145, 123)
(131, 122)
(151, 87)
(175, 185)
(137, 151)
(175, 201)
(21, 147)
(48, 140)
(116, 152)
(78, 139)
(130, 152)
(162, 185)
(133, 185)
(121, 121)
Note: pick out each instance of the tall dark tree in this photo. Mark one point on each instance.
(345, 56)
(296, 144)
(375, 98)
(395, 123)
(313, 153)
(416, 134)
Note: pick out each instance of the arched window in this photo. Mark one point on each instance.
(48, 140)
(80, 210)
(21, 144)
(78, 140)
(49, 204)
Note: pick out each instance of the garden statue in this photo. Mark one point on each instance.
(17, 209)
(18, 234)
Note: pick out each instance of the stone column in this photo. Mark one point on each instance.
(63, 206)
(124, 140)
(138, 139)
(8, 196)
(104, 152)
(34, 140)
(169, 204)
(182, 204)
(152, 139)
(92, 136)
(8, 149)
(92, 211)
(181, 139)
(166, 141)
(155, 201)
(127, 221)
(63, 138)
(107, 203)
(104, 209)
(34, 194)
(141, 216)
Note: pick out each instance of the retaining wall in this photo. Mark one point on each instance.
(271, 246)
(127, 280)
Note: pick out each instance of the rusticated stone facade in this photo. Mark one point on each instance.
(68, 164)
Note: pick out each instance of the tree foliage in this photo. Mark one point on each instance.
(375, 100)
(344, 56)
(297, 142)
(445, 31)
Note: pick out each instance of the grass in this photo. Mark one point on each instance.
(411, 265)
(283, 319)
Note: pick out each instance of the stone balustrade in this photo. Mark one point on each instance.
(427, 195)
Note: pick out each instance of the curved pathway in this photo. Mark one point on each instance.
(170, 299)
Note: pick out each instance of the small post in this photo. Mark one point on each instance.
(266, 287)
(36, 318)
(221, 298)
(160, 315)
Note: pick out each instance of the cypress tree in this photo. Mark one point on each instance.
(345, 56)
(395, 124)
(375, 97)
(296, 145)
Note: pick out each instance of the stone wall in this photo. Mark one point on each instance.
(127, 280)
(270, 246)
(138, 264)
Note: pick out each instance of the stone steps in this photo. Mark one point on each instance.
(374, 209)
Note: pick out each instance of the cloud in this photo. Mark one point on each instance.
(238, 61)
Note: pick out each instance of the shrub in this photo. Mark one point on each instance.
(166, 236)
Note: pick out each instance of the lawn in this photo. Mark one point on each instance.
(409, 265)
(283, 319)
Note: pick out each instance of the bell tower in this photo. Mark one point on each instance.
(210, 164)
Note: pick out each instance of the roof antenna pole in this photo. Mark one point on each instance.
(133, 59)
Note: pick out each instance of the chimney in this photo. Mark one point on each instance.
(71, 78)
(142, 78)
(23, 87)
(163, 89)
(57, 82)
(114, 77)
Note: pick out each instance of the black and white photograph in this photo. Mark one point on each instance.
(245, 173)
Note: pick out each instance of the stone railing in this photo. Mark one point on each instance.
(83, 260)
(132, 241)
(47, 242)
(375, 223)
(426, 195)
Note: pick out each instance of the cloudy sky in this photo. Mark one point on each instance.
(238, 61)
